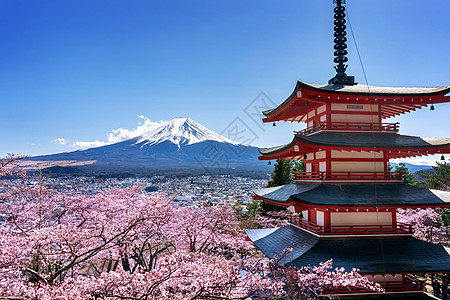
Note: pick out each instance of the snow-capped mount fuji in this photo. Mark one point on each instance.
(181, 131)
(178, 146)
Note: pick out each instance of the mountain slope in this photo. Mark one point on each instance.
(181, 131)
(177, 146)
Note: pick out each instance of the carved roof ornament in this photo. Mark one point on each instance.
(340, 46)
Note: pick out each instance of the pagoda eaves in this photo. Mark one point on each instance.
(379, 255)
(352, 195)
(393, 145)
(392, 100)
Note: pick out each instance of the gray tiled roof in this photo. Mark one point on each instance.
(362, 140)
(376, 255)
(355, 194)
(361, 89)
(376, 90)
(272, 242)
(379, 255)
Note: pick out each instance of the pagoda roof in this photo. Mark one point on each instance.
(323, 93)
(372, 90)
(356, 141)
(371, 255)
(354, 195)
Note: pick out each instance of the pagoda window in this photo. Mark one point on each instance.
(360, 218)
(305, 215)
(320, 218)
(308, 167)
(322, 166)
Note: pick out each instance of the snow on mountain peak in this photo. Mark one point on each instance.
(181, 131)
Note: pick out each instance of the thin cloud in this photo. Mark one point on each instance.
(121, 134)
(86, 145)
(60, 141)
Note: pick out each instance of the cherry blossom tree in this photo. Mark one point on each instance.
(310, 282)
(427, 224)
(9, 165)
(273, 219)
(126, 244)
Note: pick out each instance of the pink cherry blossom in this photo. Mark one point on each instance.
(126, 244)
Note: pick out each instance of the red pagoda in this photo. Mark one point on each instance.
(345, 204)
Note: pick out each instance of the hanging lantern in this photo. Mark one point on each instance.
(442, 157)
(274, 124)
(269, 163)
(432, 107)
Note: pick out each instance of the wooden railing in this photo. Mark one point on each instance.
(394, 286)
(312, 227)
(350, 126)
(347, 176)
(399, 228)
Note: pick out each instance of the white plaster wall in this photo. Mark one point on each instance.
(360, 166)
(355, 154)
(354, 118)
(310, 156)
(321, 109)
(321, 154)
(360, 218)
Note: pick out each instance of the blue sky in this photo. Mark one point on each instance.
(76, 70)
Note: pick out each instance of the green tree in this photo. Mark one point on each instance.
(440, 180)
(409, 178)
(253, 209)
(298, 166)
(389, 167)
(282, 173)
(281, 176)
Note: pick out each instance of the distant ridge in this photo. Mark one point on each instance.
(413, 168)
(178, 146)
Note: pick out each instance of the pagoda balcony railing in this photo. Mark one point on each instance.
(393, 286)
(347, 176)
(399, 228)
(350, 126)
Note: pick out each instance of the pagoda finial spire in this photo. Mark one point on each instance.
(340, 46)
